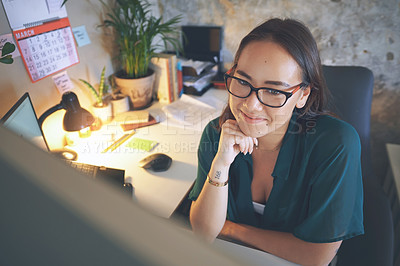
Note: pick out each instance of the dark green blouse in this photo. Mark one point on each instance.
(317, 193)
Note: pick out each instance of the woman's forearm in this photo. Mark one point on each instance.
(282, 244)
(208, 212)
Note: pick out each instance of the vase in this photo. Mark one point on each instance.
(140, 90)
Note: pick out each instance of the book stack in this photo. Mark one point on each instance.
(168, 84)
(135, 119)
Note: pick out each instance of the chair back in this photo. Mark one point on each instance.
(351, 88)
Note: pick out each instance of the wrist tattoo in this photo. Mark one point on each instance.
(217, 174)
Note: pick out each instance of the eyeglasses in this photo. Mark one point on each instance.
(269, 97)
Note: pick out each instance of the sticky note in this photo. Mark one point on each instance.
(142, 144)
(63, 82)
(8, 38)
(81, 36)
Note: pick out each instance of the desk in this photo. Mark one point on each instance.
(160, 192)
(391, 186)
(250, 255)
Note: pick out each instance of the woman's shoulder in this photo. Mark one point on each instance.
(330, 124)
(212, 127)
(209, 141)
(211, 130)
(214, 123)
(331, 130)
(331, 142)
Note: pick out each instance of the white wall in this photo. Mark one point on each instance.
(15, 81)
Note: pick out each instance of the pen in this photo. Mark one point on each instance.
(118, 142)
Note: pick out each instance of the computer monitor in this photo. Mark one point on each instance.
(52, 215)
(22, 120)
(203, 43)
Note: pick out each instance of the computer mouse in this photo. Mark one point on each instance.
(157, 162)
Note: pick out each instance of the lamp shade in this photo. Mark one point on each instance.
(75, 118)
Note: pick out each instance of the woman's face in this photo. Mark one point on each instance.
(266, 64)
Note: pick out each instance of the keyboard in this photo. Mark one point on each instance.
(115, 177)
(88, 169)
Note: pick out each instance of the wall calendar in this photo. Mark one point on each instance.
(47, 49)
(44, 38)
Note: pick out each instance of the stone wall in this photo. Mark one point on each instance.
(348, 32)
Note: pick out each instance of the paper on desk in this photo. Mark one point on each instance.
(189, 113)
(198, 66)
(202, 81)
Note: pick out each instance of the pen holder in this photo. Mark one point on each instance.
(120, 104)
(103, 112)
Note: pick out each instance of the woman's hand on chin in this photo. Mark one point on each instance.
(233, 141)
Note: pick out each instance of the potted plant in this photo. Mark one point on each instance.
(136, 30)
(101, 108)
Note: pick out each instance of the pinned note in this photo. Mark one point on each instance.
(8, 38)
(81, 36)
(63, 82)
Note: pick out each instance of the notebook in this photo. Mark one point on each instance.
(22, 120)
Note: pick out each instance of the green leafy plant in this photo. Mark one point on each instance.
(103, 89)
(135, 30)
(6, 57)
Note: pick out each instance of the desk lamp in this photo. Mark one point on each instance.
(76, 118)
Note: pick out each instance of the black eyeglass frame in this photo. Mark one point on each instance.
(252, 88)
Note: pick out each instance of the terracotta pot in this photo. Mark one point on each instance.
(139, 90)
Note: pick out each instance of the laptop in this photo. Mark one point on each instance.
(22, 120)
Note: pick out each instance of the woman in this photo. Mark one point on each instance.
(276, 171)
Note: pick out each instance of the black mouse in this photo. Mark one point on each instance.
(157, 162)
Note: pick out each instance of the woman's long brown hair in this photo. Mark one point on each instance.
(298, 41)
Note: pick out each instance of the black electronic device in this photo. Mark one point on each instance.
(157, 162)
(65, 219)
(203, 43)
(22, 120)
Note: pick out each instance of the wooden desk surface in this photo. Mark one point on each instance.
(160, 192)
(250, 255)
(394, 160)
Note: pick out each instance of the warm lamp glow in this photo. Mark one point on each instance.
(73, 138)
(85, 132)
(76, 118)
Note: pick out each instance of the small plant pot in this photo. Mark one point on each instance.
(139, 90)
(104, 112)
(120, 104)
